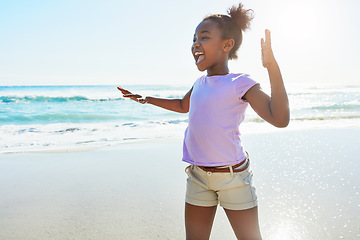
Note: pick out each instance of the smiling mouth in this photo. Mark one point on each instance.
(199, 57)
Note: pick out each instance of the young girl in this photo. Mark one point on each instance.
(219, 166)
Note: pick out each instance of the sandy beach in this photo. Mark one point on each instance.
(308, 184)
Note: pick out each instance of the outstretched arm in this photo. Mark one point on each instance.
(275, 108)
(176, 105)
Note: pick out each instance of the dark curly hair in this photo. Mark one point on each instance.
(233, 24)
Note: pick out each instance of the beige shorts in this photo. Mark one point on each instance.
(233, 191)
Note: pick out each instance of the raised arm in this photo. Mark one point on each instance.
(176, 105)
(275, 108)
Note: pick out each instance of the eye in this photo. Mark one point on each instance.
(202, 38)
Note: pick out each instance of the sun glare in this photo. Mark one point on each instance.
(298, 22)
(287, 230)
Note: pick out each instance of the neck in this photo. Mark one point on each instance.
(219, 68)
(217, 71)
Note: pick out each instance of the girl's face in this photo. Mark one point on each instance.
(209, 49)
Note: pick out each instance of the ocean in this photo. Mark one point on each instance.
(34, 118)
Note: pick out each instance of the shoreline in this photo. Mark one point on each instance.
(256, 128)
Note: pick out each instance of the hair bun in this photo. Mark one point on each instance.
(241, 17)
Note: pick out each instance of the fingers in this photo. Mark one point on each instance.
(132, 96)
(136, 97)
(265, 44)
(262, 43)
(267, 36)
(267, 40)
(127, 93)
(123, 91)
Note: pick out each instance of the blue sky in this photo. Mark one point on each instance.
(148, 42)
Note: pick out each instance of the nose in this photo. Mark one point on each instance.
(195, 44)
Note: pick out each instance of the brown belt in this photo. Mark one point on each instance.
(227, 169)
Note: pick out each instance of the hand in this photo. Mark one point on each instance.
(267, 55)
(136, 97)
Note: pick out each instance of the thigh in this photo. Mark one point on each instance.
(245, 223)
(198, 221)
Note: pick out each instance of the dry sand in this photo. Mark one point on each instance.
(307, 183)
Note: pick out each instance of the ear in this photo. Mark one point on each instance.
(228, 45)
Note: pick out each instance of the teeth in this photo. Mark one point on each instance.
(198, 53)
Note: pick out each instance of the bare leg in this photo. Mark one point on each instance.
(198, 221)
(245, 223)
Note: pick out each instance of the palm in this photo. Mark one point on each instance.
(267, 55)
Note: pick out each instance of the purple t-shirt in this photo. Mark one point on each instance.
(212, 137)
